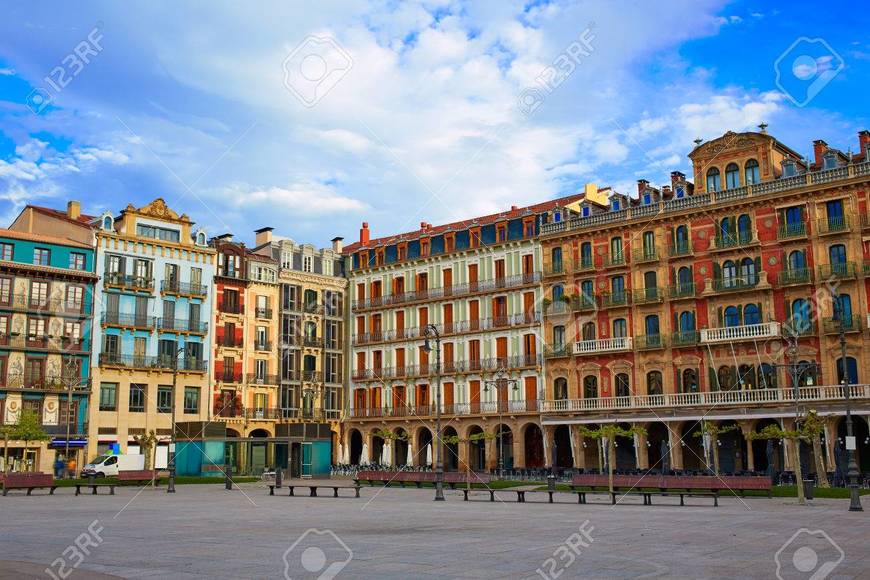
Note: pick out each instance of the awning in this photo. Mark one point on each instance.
(73, 442)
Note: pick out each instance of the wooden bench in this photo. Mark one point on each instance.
(521, 494)
(684, 486)
(451, 478)
(313, 489)
(94, 487)
(139, 475)
(28, 481)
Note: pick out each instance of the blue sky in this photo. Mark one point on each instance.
(419, 117)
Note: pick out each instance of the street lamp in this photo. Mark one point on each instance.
(851, 444)
(307, 413)
(432, 331)
(71, 379)
(170, 487)
(499, 382)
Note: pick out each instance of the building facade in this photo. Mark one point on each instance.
(699, 303)
(46, 313)
(152, 325)
(479, 283)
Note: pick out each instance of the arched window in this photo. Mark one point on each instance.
(744, 228)
(689, 381)
(681, 235)
(732, 316)
(654, 383)
(687, 321)
(107, 223)
(843, 311)
(559, 335)
(560, 389)
(747, 272)
(746, 377)
(713, 179)
(801, 317)
(617, 287)
(590, 387)
(586, 254)
(797, 261)
(558, 292)
(767, 376)
(622, 387)
(684, 278)
(751, 314)
(556, 259)
(727, 376)
(619, 328)
(650, 281)
(732, 176)
(616, 249)
(651, 325)
(729, 274)
(837, 254)
(726, 228)
(589, 331)
(852, 366)
(750, 172)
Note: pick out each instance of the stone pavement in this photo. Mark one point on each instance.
(204, 531)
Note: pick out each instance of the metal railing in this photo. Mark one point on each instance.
(152, 362)
(834, 225)
(791, 276)
(181, 325)
(128, 320)
(186, 288)
(258, 379)
(840, 271)
(128, 282)
(44, 304)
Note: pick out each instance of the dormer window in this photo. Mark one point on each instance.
(501, 232)
(379, 257)
(681, 192)
(424, 247)
(402, 252)
(449, 242)
(647, 199)
(529, 227)
(788, 169)
(829, 161)
(585, 211)
(200, 239)
(714, 179)
(557, 216)
(107, 223)
(614, 204)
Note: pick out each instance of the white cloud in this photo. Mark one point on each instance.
(7, 72)
(302, 198)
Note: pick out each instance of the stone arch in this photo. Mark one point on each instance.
(504, 445)
(658, 447)
(533, 445)
(424, 450)
(692, 448)
(400, 447)
(476, 449)
(564, 456)
(450, 450)
(376, 448)
(355, 443)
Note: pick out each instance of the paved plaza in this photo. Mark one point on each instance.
(205, 531)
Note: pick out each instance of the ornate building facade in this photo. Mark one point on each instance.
(700, 302)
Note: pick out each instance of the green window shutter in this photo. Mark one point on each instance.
(714, 384)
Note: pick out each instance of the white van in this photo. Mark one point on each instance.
(110, 465)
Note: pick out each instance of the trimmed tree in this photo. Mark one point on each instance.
(713, 431)
(607, 435)
(27, 429)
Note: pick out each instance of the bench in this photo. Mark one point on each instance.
(139, 475)
(648, 485)
(451, 478)
(94, 487)
(28, 481)
(521, 494)
(313, 489)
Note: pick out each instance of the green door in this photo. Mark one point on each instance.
(306, 459)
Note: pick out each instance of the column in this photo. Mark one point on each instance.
(548, 434)
(577, 447)
(676, 450)
(519, 450)
(642, 453)
(746, 429)
(491, 446)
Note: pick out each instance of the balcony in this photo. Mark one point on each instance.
(841, 271)
(263, 414)
(125, 282)
(642, 254)
(181, 325)
(477, 408)
(583, 303)
(685, 338)
(799, 327)
(258, 379)
(735, 283)
(745, 332)
(136, 321)
(585, 264)
(264, 313)
(556, 308)
(708, 400)
(680, 248)
(614, 260)
(791, 231)
(52, 383)
(795, 276)
(834, 225)
(646, 295)
(230, 308)
(230, 342)
(554, 269)
(556, 350)
(183, 288)
(263, 346)
(312, 376)
(312, 308)
(161, 363)
(613, 299)
(679, 291)
(725, 241)
(228, 408)
(602, 345)
(650, 342)
(850, 324)
(313, 342)
(59, 306)
(229, 377)
(43, 343)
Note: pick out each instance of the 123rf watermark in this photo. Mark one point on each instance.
(317, 554)
(551, 78)
(810, 554)
(566, 554)
(69, 68)
(74, 554)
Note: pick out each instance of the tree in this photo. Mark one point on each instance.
(608, 434)
(713, 431)
(456, 440)
(813, 427)
(27, 429)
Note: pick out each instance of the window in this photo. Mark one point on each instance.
(588, 331)
(108, 396)
(732, 316)
(560, 389)
(585, 211)
(107, 223)
(586, 254)
(558, 292)
(681, 192)
(559, 336)
(836, 219)
(687, 321)
(39, 294)
(619, 328)
(590, 387)
(744, 228)
(164, 399)
(797, 260)
(851, 366)
(829, 160)
(649, 245)
(5, 290)
(748, 272)
(307, 264)
(689, 381)
(501, 232)
(617, 287)
(157, 233)
(41, 256)
(556, 259)
(6, 252)
(714, 182)
(614, 204)
(529, 228)
(191, 400)
(137, 398)
(449, 242)
(647, 199)
(75, 296)
(76, 261)
(654, 383)
(473, 237)
(729, 274)
(651, 325)
(402, 252)
(623, 387)
(751, 314)
(751, 175)
(425, 246)
(789, 169)
(801, 317)
(732, 176)
(616, 250)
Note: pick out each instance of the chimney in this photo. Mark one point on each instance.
(819, 148)
(264, 236)
(514, 208)
(73, 210)
(337, 245)
(864, 143)
(666, 191)
(364, 234)
(642, 184)
(677, 177)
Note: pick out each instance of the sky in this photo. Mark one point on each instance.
(314, 117)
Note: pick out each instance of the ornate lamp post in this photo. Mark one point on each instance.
(500, 381)
(432, 331)
(170, 487)
(851, 444)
